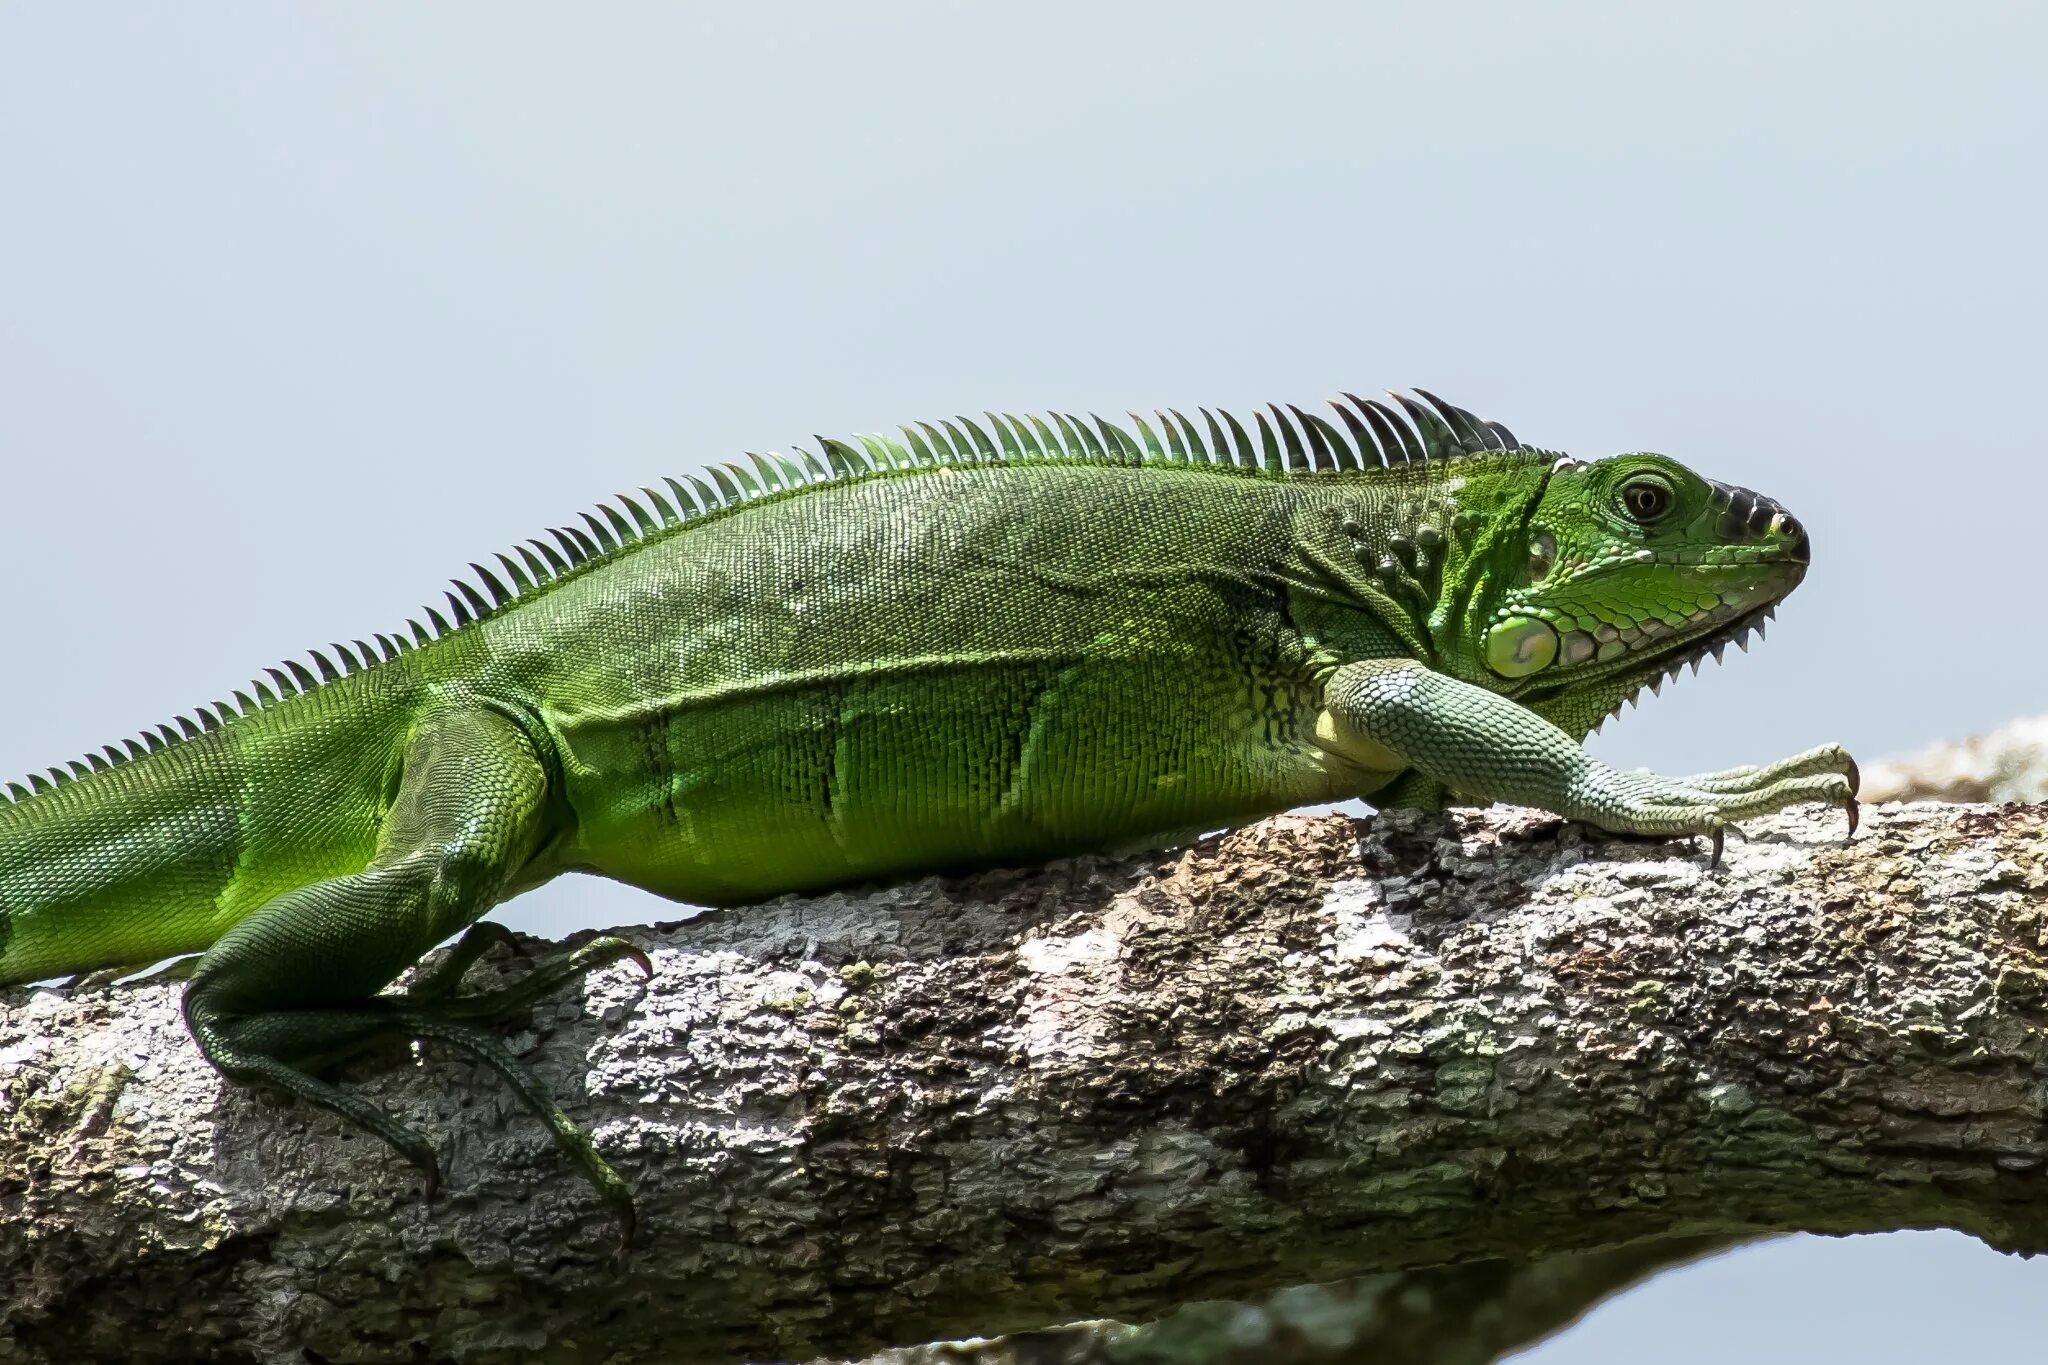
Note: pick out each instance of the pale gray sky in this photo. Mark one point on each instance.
(303, 307)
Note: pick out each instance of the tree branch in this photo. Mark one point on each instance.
(2008, 764)
(1315, 1048)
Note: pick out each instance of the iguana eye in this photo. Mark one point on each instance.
(1646, 498)
(1542, 554)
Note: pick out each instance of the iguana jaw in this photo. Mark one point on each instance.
(1650, 651)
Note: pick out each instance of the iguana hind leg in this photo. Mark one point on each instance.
(1478, 742)
(297, 980)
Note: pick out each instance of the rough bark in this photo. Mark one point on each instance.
(1313, 1049)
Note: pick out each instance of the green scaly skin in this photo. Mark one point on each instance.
(977, 644)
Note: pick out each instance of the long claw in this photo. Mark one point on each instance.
(1853, 809)
(1720, 841)
(1855, 776)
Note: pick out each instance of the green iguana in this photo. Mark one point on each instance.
(981, 643)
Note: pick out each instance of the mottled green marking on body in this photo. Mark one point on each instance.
(965, 643)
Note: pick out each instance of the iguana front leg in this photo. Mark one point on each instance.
(296, 983)
(1396, 712)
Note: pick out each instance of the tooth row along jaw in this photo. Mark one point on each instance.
(1752, 630)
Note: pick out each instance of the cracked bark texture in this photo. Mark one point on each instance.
(1312, 1049)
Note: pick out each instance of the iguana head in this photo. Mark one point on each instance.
(1626, 569)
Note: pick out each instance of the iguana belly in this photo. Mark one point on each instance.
(945, 767)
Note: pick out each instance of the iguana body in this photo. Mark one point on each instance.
(947, 651)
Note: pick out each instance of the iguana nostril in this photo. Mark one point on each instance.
(1799, 549)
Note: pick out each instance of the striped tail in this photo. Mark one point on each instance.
(160, 855)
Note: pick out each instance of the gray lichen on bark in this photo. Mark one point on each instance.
(1311, 1049)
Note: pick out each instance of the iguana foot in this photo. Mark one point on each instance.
(436, 1012)
(281, 1047)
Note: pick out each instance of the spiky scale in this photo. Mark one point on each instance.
(602, 534)
(438, 622)
(1090, 443)
(1070, 439)
(1012, 449)
(1330, 448)
(1244, 452)
(965, 449)
(846, 461)
(1176, 447)
(687, 503)
(765, 472)
(663, 508)
(327, 669)
(707, 496)
(1271, 456)
(1439, 442)
(920, 451)
(459, 609)
(982, 443)
(349, 662)
(1467, 433)
(875, 453)
(520, 582)
(556, 564)
(645, 523)
(1297, 453)
(1198, 451)
(572, 550)
(1219, 443)
(940, 444)
(1395, 440)
(721, 476)
(1117, 441)
(500, 594)
(1049, 444)
(285, 686)
(1369, 453)
(895, 454)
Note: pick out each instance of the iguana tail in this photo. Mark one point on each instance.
(160, 853)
